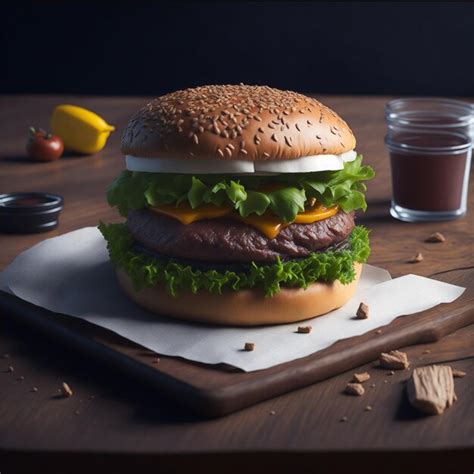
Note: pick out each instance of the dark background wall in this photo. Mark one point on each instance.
(152, 48)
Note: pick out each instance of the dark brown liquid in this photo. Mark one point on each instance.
(428, 182)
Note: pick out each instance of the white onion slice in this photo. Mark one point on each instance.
(212, 166)
(188, 166)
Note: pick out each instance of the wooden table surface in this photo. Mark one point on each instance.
(112, 418)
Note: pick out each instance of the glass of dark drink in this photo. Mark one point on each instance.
(430, 154)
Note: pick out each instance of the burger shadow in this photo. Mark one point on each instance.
(378, 211)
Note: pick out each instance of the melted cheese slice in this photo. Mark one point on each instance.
(267, 224)
(186, 215)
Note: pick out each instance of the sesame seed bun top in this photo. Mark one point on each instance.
(236, 123)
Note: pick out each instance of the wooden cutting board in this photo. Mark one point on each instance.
(218, 390)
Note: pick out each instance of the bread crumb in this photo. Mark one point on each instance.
(417, 258)
(304, 329)
(66, 390)
(10, 369)
(360, 378)
(272, 412)
(249, 346)
(34, 389)
(362, 311)
(354, 389)
(394, 360)
(436, 237)
(343, 418)
(368, 408)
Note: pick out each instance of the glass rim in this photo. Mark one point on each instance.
(395, 114)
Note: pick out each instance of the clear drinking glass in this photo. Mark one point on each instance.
(436, 114)
(430, 155)
(430, 174)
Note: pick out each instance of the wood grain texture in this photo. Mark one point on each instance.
(215, 391)
(126, 417)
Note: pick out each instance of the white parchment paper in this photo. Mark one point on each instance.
(71, 274)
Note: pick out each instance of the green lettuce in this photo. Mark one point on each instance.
(147, 271)
(137, 190)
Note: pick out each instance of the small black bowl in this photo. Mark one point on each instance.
(27, 213)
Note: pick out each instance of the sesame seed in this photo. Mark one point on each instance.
(220, 152)
(230, 146)
(288, 141)
(195, 139)
(267, 155)
(205, 107)
(228, 152)
(297, 127)
(274, 137)
(243, 151)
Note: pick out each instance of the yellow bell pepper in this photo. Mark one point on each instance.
(81, 130)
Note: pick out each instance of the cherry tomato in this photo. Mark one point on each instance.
(43, 146)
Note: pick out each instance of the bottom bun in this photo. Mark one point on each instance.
(244, 307)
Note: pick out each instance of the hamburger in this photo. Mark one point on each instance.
(239, 203)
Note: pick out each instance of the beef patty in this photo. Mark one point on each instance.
(229, 240)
